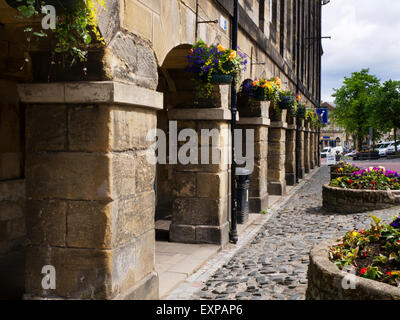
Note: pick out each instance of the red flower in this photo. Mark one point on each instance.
(388, 273)
(365, 254)
(363, 271)
(341, 244)
(351, 181)
(373, 182)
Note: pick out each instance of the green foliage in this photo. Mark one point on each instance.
(75, 30)
(352, 101)
(384, 106)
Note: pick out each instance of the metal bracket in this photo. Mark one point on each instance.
(200, 22)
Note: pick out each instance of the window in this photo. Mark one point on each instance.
(261, 15)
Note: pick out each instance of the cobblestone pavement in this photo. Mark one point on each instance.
(274, 265)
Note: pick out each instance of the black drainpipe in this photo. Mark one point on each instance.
(233, 236)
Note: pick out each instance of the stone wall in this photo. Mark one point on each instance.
(354, 201)
(325, 281)
(90, 212)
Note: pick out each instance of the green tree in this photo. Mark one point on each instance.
(384, 107)
(352, 101)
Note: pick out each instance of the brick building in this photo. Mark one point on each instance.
(76, 189)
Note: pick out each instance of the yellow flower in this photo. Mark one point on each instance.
(221, 48)
(232, 55)
(354, 234)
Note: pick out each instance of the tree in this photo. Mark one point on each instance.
(384, 107)
(352, 101)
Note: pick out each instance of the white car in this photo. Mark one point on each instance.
(330, 151)
(391, 149)
(382, 148)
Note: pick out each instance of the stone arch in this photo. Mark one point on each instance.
(182, 190)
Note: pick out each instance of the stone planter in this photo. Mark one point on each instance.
(348, 201)
(327, 282)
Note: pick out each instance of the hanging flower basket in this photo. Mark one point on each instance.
(214, 65)
(259, 94)
(221, 79)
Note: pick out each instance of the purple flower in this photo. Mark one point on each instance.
(396, 223)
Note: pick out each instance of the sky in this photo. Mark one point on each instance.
(365, 34)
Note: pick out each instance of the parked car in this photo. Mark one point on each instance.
(330, 151)
(351, 154)
(391, 150)
(382, 148)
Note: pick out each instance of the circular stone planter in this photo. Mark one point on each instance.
(356, 201)
(327, 282)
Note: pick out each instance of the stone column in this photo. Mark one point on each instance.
(318, 146)
(255, 117)
(307, 138)
(290, 161)
(300, 148)
(312, 148)
(277, 153)
(201, 191)
(90, 208)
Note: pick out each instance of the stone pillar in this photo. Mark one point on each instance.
(277, 153)
(290, 161)
(307, 138)
(300, 148)
(201, 191)
(255, 117)
(312, 148)
(90, 190)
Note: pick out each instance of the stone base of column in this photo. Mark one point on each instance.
(290, 179)
(199, 234)
(258, 204)
(146, 289)
(300, 172)
(276, 188)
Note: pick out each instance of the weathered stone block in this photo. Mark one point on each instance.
(89, 225)
(130, 128)
(199, 211)
(212, 185)
(72, 176)
(182, 233)
(184, 184)
(135, 217)
(80, 273)
(123, 175)
(46, 222)
(89, 128)
(54, 118)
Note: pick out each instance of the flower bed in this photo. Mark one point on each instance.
(374, 178)
(343, 169)
(372, 254)
(327, 282)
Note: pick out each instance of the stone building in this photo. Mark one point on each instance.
(76, 190)
(332, 135)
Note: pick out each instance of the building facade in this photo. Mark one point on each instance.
(332, 135)
(76, 190)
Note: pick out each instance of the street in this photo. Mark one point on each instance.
(274, 265)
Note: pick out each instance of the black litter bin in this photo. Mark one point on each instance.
(242, 195)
